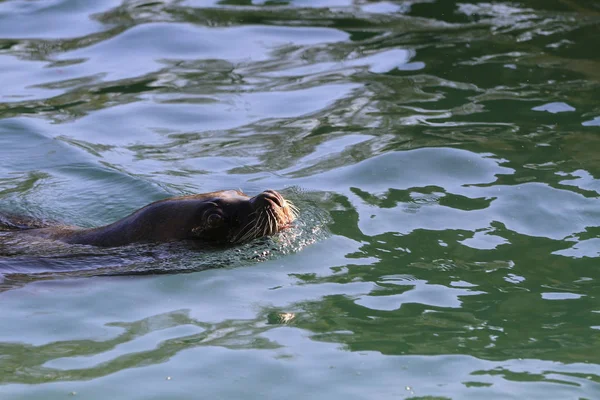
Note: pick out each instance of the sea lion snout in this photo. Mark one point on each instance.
(270, 214)
(268, 199)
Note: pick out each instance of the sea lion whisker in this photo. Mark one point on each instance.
(254, 233)
(247, 235)
(242, 232)
(260, 222)
(274, 224)
(293, 209)
(251, 233)
(267, 224)
(235, 236)
(264, 222)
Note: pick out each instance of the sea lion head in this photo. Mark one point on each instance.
(233, 217)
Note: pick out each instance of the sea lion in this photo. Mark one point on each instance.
(228, 216)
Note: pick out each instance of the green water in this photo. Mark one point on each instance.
(453, 148)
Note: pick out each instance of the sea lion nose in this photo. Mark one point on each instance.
(268, 198)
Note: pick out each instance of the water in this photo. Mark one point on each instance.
(452, 149)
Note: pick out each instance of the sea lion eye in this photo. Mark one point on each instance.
(214, 220)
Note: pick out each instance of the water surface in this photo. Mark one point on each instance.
(446, 153)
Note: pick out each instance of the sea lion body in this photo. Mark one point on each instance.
(228, 216)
